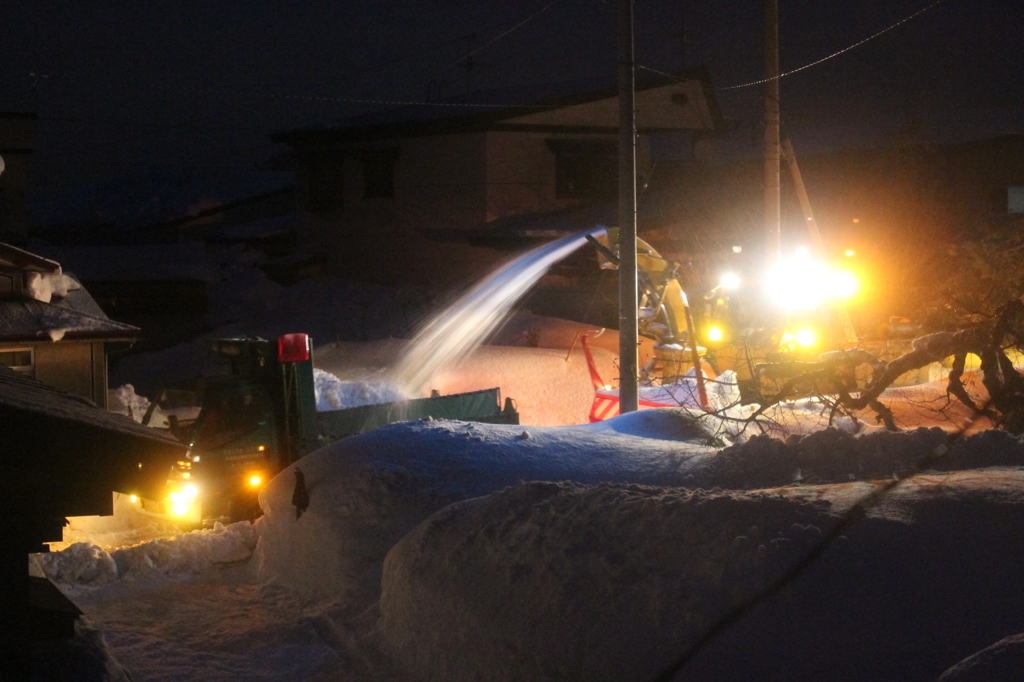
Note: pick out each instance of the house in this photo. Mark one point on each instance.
(51, 330)
(372, 189)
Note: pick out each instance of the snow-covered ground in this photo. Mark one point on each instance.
(421, 556)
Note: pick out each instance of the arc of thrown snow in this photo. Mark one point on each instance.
(456, 331)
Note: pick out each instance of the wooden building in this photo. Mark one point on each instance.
(51, 330)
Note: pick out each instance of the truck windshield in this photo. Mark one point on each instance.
(228, 416)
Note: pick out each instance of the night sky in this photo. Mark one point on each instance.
(125, 87)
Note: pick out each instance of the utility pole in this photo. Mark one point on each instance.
(772, 202)
(629, 399)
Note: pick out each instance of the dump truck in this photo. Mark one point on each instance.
(262, 416)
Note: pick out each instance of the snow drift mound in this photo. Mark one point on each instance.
(367, 491)
(1001, 662)
(550, 581)
(835, 456)
(86, 565)
(547, 581)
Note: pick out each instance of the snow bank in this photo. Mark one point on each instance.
(1001, 662)
(125, 527)
(124, 400)
(334, 394)
(87, 565)
(835, 456)
(367, 491)
(548, 581)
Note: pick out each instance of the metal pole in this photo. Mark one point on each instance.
(772, 207)
(629, 400)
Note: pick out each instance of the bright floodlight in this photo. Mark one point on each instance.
(843, 284)
(714, 334)
(806, 337)
(806, 283)
(730, 280)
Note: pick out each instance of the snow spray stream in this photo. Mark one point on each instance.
(458, 330)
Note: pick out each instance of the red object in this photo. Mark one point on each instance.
(294, 348)
(605, 405)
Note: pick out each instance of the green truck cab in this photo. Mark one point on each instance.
(262, 416)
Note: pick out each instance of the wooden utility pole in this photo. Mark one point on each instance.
(629, 399)
(772, 202)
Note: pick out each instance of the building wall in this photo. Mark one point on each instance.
(76, 367)
(439, 183)
(521, 171)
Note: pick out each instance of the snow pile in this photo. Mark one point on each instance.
(334, 394)
(124, 400)
(835, 456)
(87, 565)
(1001, 662)
(125, 527)
(615, 582)
(368, 490)
(561, 581)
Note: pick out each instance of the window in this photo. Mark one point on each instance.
(6, 284)
(18, 359)
(585, 169)
(378, 175)
(325, 184)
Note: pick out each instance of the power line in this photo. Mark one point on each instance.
(834, 54)
(499, 37)
(814, 63)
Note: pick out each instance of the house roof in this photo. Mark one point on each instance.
(535, 113)
(23, 260)
(22, 393)
(26, 319)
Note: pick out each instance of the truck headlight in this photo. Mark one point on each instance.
(806, 337)
(190, 492)
(179, 508)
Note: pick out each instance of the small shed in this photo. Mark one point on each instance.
(51, 330)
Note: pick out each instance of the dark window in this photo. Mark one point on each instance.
(6, 284)
(379, 175)
(585, 169)
(20, 360)
(325, 184)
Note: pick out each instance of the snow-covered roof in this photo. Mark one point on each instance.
(26, 319)
(19, 392)
(23, 260)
